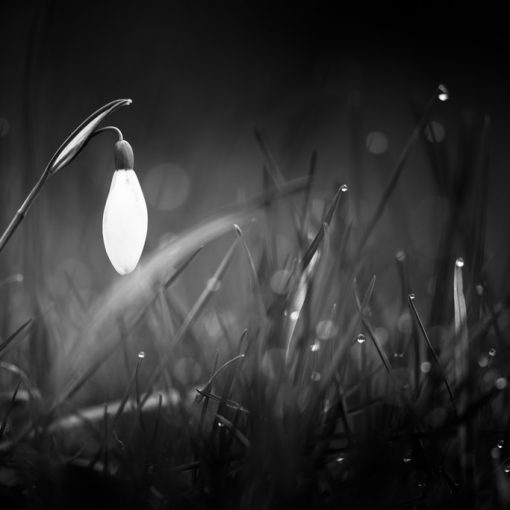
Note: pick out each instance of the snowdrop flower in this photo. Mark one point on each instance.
(125, 213)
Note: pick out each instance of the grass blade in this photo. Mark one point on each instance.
(397, 172)
(432, 351)
(25, 327)
(9, 409)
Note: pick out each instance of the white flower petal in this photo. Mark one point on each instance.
(125, 221)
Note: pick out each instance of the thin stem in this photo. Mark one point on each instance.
(433, 352)
(25, 206)
(108, 128)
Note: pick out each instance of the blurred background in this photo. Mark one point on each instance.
(347, 80)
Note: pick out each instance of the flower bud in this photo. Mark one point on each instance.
(125, 213)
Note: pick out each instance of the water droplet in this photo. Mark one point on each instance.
(425, 367)
(141, 355)
(340, 459)
(361, 339)
(400, 256)
(344, 188)
(294, 316)
(315, 346)
(479, 289)
(220, 424)
(315, 376)
(492, 352)
(407, 459)
(506, 466)
(459, 262)
(443, 94)
(412, 296)
(501, 443)
(500, 383)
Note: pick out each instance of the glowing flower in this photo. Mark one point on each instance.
(125, 213)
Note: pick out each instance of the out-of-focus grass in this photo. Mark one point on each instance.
(294, 377)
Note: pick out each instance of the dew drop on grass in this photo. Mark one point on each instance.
(443, 94)
(412, 296)
(141, 355)
(361, 339)
(459, 262)
(294, 316)
(492, 352)
(315, 346)
(344, 188)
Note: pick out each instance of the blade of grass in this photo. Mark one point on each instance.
(234, 430)
(9, 409)
(397, 172)
(24, 328)
(253, 270)
(461, 349)
(195, 311)
(432, 351)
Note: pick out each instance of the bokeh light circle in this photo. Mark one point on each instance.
(166, 187)
(377, 142)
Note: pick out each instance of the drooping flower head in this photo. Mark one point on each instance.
(125, 214)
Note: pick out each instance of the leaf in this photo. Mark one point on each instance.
(460, 319)
(75, 142)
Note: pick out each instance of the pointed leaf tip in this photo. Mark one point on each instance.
(80, 136)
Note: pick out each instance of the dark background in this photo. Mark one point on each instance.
(202, 75)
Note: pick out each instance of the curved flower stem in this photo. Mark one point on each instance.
(25, 206)
(69, 149)
(108, 128)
